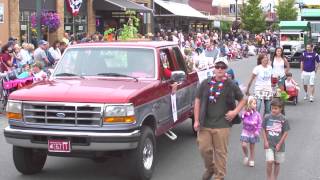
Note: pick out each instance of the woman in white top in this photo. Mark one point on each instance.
(55, 51)
(280, 66)
(26, 56)
(262, 89)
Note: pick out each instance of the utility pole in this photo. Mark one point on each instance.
(38, 16)
(236, 10)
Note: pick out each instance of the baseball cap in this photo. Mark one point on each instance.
(12, 39)
(42, 42)
(223, 60)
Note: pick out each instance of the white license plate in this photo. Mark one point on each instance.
(55, 145)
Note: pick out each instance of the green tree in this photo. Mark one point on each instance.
(225, 26)
(286, 10)
(130, 30)
(252, 17)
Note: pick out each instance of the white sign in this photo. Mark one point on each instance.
(68, 28)
(204, 74)
(1, 13)
(174, 107)
(216, 24)
(80, 28)
(23, 27)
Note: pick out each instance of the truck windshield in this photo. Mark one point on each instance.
(290, 37)
(129, 62)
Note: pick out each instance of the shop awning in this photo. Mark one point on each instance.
(310, 13)
(179, 9)
(298, 25)
(119, 5)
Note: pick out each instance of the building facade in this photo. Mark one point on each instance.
(15, 17)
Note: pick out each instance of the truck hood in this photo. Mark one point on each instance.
(83, 90)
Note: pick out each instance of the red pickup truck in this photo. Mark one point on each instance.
(102, 98)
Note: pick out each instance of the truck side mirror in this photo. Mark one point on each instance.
(178, 76)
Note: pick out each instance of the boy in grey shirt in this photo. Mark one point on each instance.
(275, 131)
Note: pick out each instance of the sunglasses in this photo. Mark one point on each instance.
(220, 66)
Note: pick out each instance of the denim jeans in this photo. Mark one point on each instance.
(267, 105)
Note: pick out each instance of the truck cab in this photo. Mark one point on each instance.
(294, 35)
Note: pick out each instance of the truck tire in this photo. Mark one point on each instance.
(142, 159)
(29, 161)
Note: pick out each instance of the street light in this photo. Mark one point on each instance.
(236, 24)
(236, 10)
(38, 16)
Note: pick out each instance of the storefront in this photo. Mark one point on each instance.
(27, 9)
(112, 14)
(94, 15)
(76, 24)
(177, 16)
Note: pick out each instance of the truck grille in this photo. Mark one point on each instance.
(63, 114)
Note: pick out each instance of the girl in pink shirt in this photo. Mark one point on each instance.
(252, 122)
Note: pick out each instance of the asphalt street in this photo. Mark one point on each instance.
(180, 159)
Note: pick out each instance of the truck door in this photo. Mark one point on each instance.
(164, 114)
(187, 88)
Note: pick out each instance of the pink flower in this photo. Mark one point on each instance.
(51, 20)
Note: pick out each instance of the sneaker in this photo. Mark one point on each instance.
(207, 175)
(305, 97)
(245, 161)
(311, 98)
(251, 163)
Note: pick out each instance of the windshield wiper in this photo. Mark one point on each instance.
(68, 74)
(116, 75)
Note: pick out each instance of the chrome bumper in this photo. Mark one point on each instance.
(98, 141)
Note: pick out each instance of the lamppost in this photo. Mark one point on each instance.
(38, 16)
(236, 24)
(236, 10)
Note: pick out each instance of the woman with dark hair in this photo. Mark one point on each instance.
(6, 58)
(262, 89)
(280, 66)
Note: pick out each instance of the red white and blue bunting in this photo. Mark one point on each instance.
(73, 6)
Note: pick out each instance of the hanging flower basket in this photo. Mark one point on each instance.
(50, 20)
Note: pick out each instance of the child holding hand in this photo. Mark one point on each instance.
(252, 122)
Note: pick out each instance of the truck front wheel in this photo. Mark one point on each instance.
(29, 161)
(142, 159)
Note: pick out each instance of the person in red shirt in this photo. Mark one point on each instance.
(166, 65)
(6, 58)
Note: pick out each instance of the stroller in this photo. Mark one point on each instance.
(291, 93)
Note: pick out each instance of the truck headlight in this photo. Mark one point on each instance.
(294, 49)
(119, 114)
(14, 110)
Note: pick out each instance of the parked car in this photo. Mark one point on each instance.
(102, 98)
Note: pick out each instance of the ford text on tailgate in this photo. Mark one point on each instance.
(102, 98)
